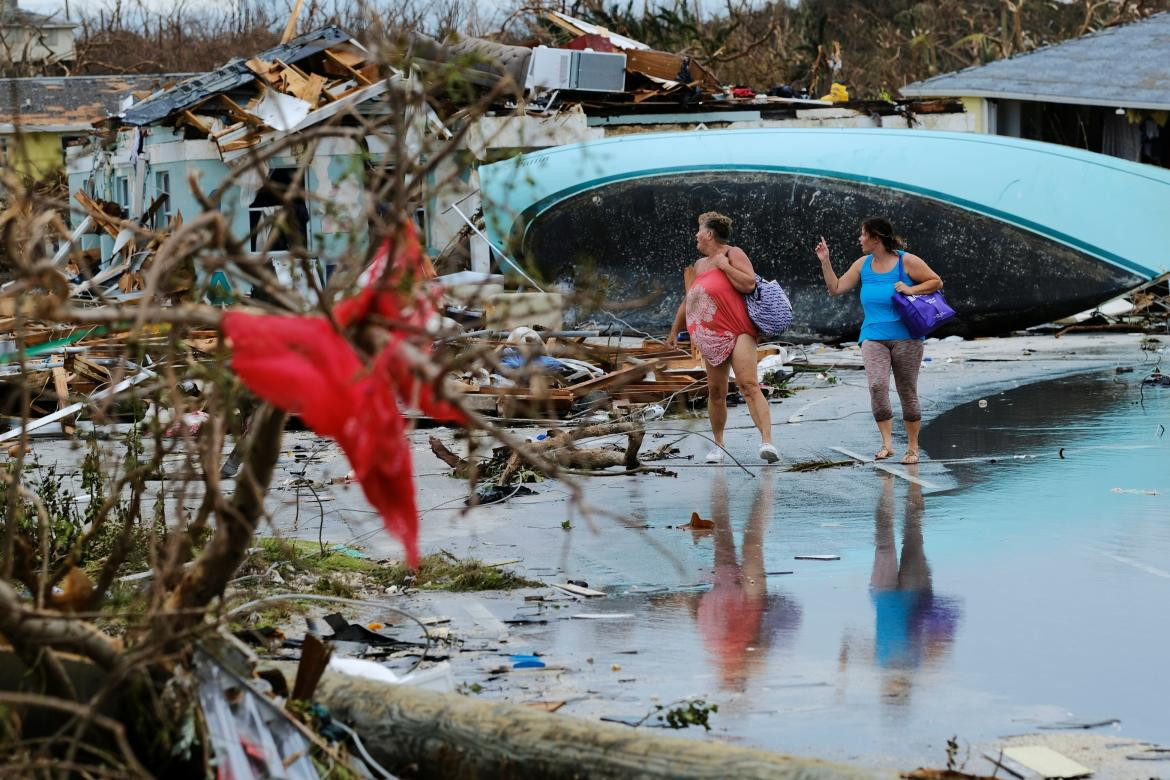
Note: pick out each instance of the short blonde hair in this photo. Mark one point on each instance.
(717, 223)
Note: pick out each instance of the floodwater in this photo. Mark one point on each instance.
(1026, 585)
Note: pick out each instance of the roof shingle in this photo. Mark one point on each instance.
(1127, 66)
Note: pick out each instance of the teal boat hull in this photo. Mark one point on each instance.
(1021, 232)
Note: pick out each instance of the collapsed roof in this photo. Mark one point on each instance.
(281, 90)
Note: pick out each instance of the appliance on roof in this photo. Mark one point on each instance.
(584, 71)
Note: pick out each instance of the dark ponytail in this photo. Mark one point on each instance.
(882, 230)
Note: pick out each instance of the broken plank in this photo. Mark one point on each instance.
(243, 143)
(61, 385)
(261, 68)
(1047, 762)
(622, 376)
(577, 590)
(197, 122)
(346, 67)
(239, 113)
(72, 409)
(310, 89)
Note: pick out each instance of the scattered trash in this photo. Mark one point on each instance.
(632, 720)
(526, 662)
(489, 493)
(1134, 491)
(344, 631)
(818, 557)
(579, 590)
(1072, 724)
(1151, 754)
(547, 706)
(698, 523)
(653, 412)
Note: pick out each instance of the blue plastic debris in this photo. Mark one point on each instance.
(526, 662)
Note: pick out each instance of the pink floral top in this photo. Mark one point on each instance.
(716, 316)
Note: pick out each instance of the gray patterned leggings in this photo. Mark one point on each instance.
(905, 357)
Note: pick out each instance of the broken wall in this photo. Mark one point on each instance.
(137, 171)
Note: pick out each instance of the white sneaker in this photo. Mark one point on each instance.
(714, 456)
(769, 453)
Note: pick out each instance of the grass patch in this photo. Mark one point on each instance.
(443, 571)
(438, 571)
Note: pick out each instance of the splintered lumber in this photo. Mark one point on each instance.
(262, 69)
(197, 122)
(666, 66)
(622, 376)
(61, 386)
(239, 113)
(345, 62)
(437, 735)
(73, 409)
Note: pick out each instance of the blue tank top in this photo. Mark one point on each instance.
(882, 322)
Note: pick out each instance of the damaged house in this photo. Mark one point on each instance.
(1108, 92)
(601, 85)
(41, 117)
(232, 136)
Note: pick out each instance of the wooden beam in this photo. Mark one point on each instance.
(347, 68)
(433, 735)
(623, 376)
(239, 113)
(61, 386)
(195, 121)
(290, 29)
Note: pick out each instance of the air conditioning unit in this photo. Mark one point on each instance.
(586, 71)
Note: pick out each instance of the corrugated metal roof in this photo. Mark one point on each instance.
(232, 75)
(1125, 67)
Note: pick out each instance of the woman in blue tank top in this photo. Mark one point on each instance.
(883, 271)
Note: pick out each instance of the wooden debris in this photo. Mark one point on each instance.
(1047, 762)
(577, 590)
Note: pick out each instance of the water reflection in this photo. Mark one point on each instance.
(738, 619)
(913, 626)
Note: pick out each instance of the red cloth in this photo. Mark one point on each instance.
(716, 316)
(303, 365)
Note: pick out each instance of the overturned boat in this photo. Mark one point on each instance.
(1022, 232)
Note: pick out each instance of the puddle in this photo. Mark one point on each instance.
(1031, 593)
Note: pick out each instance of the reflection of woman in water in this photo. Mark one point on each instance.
(737, 617)
(913, 625)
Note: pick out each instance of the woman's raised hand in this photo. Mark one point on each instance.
(823, 250)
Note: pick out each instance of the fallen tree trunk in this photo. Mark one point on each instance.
(421, 734)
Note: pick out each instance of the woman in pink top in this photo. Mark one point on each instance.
(718, 323)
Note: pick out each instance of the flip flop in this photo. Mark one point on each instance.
(888, 453)
(910, 458)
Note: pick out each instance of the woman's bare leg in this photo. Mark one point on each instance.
(717, 398)
(743, 360)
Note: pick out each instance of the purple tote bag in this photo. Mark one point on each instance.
(768, 307)
(921, 313)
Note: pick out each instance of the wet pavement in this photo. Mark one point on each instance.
(1021, 584)
(1016, 579)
